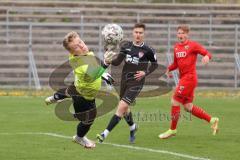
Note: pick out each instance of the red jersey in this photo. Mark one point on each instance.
(185, 57)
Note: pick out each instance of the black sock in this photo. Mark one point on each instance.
(82, 129)
(114, 121)
(129, 119)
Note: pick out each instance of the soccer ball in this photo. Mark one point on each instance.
(112, 34)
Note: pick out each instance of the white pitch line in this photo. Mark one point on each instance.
(116, 145)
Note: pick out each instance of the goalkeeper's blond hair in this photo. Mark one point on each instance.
(69, 38)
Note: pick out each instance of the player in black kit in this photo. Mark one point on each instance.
(136, 55)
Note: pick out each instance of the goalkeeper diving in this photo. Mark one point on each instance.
(87, 73)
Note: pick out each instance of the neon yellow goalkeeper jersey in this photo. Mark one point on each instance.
(85, 83)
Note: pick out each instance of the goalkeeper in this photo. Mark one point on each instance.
(85, 88)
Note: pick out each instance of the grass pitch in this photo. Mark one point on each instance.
(28, 127)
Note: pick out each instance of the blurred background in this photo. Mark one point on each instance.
(31, 34)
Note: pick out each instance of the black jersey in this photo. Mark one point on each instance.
(136, 58)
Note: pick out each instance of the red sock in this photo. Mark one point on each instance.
(200, 113)
(175, 114)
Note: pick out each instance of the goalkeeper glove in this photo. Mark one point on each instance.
(109, 56)
(108, 78)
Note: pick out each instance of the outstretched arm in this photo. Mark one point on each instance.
(118, 60)
(97, 71)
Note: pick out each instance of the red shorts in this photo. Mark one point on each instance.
(184, 92)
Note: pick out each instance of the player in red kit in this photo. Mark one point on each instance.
(185, 57)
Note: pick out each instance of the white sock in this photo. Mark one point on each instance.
(132, 127)
(105, 133)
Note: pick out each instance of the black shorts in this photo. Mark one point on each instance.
(129, 92)
(85, 110)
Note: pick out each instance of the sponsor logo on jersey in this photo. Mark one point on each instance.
(140, 54)
(186, 47)
(130, 59)
(181, 54)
